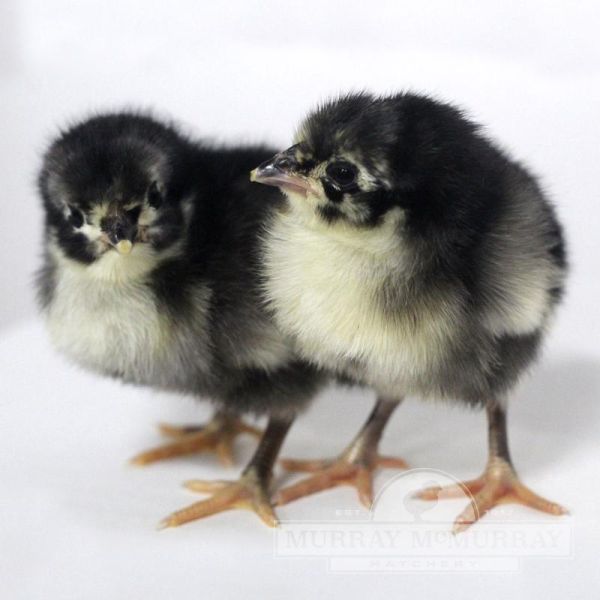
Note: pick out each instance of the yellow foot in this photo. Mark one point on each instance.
(499, 484)
(216, 436)
(248, 493)
(332, 473)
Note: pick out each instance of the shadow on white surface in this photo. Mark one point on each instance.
(74, 510)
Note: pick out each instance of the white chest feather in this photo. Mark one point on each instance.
(111, 325)
(326, 288)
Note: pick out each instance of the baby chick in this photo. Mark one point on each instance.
(151, 275)
(416, 257)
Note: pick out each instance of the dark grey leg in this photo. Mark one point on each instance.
(355, 466)
(499, 482)
(250, 492)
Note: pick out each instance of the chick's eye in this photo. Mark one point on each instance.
(154, 195)
(134, 213)
(342, 173)
(76, 218)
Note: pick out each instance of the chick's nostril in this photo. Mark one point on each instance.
(283, 164)
(120, 231)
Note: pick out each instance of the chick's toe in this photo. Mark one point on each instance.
(217, 436)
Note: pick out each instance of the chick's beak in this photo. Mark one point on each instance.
(124, 246)
(281, 171)
(120, 233)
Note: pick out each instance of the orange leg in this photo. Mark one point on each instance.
(499, 483)
(216, 436)
(250, 492)
(355, 466)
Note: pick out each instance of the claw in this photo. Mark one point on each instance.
(216, 436)
(247, 493)
(499, 484)
(206, 487)
(328, 474)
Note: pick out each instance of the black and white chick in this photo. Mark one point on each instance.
(151, 275)
(416, 257)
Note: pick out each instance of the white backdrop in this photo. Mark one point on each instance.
(247, 71)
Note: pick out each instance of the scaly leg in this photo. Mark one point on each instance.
(499, 483)
(250, 492)
(355, 466)
(216, 436)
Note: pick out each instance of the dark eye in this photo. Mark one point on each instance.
(76, 218)
(154, 196)
(134, 213)
(342, 173)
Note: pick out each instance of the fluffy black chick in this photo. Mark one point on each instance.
(151, 274)
(416, 257)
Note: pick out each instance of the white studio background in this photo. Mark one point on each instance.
(247, 71)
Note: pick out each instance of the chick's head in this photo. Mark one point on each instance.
(358, 157)
(106, 189)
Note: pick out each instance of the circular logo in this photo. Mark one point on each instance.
(420, 496)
